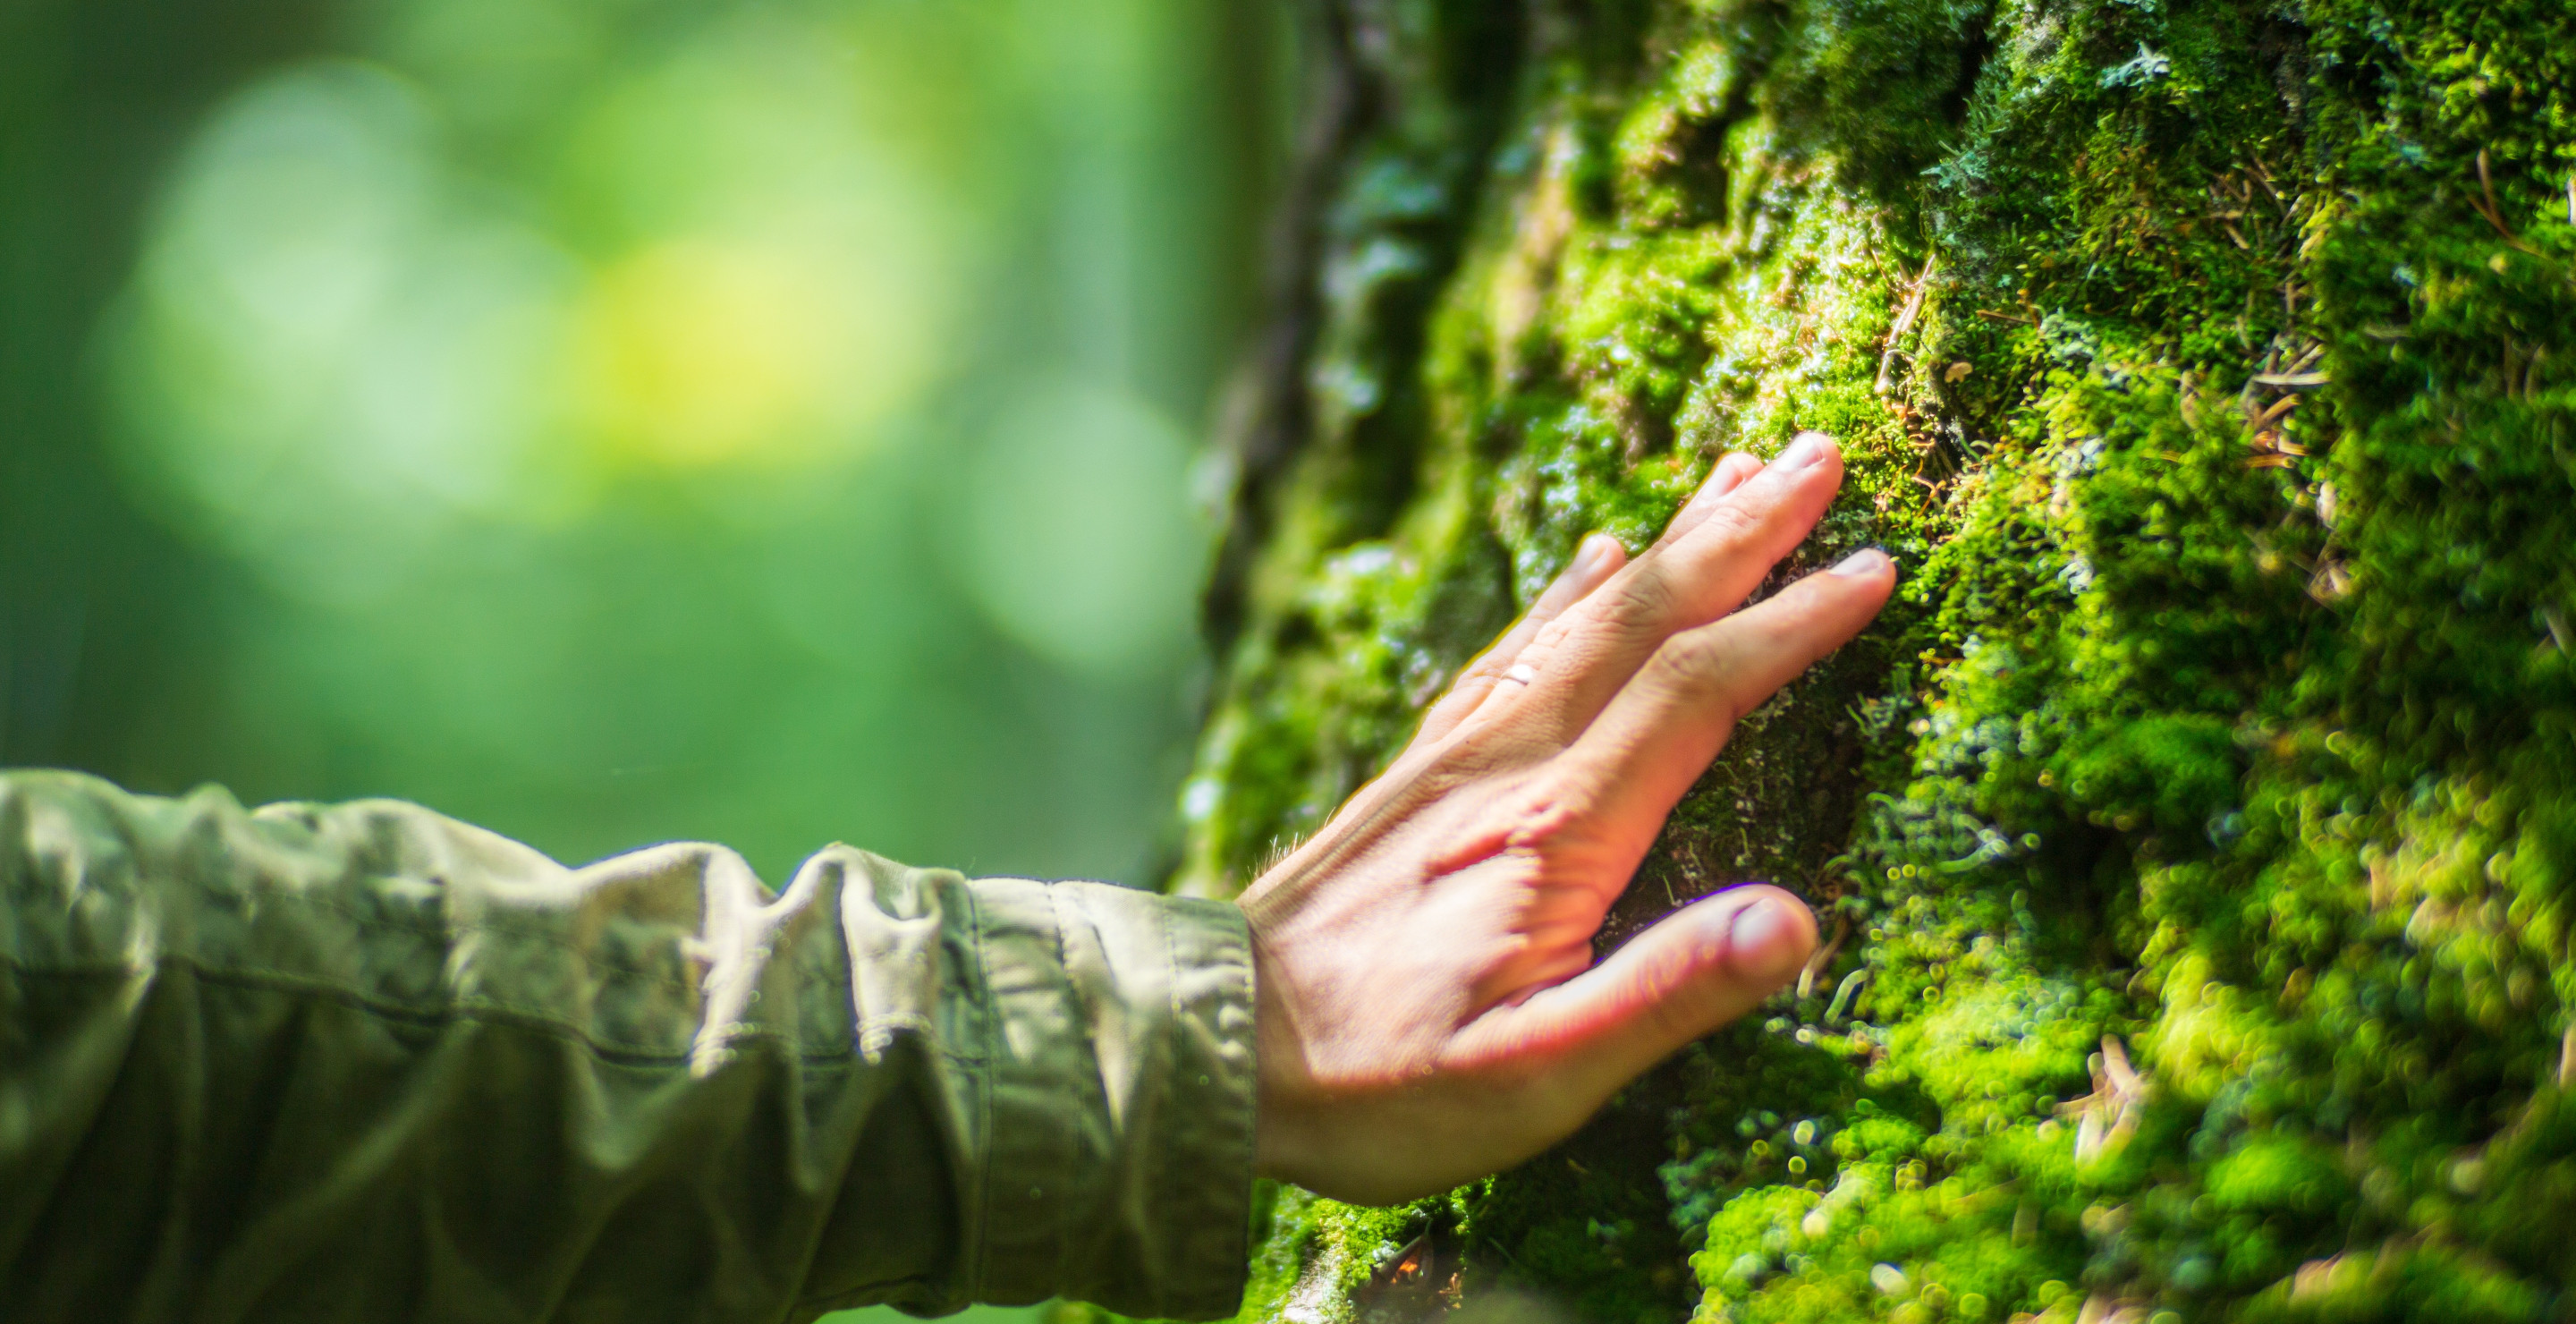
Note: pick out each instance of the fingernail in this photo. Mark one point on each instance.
(1588, 557)
(1809, 448)
(1861, 564)
(1765, 942)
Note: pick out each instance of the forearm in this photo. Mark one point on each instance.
(368, 1063)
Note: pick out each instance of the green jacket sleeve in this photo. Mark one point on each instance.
(365, 1063)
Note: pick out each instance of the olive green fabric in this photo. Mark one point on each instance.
(366, 1063)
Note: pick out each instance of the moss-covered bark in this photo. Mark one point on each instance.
(2197, 833)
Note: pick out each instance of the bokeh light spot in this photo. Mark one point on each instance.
(1081, 540)
(696, 353)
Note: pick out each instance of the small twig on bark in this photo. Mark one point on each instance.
(2495, 214)
(2486, 184)
(1824, 956)
(1904, 323)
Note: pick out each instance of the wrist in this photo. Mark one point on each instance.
(1277, 1121)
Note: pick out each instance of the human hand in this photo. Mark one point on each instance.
(1429, 1009)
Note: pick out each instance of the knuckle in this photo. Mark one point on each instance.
(1699, 666)
(1645, 601)
(1550, 636)
(1685, 1011)
(1693, 659)
(1544, 825)
(1687, 999)
(1733, 521)
(1550, 824)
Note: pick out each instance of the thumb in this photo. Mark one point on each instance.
(1682, 979)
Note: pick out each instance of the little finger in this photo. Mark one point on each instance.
(1598, 558)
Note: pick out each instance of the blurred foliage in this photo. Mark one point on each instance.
(616, 420)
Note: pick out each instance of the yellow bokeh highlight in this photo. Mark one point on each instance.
(698, 353)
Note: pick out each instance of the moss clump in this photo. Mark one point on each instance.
(2198, 828)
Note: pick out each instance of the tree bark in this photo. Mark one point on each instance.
(2195, 836)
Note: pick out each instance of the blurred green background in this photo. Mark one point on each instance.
(612, 421)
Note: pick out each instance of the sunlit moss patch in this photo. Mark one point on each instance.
(2196, 834)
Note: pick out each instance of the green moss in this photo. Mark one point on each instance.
(2198, 821)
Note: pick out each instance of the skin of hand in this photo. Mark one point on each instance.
(1428, 1007)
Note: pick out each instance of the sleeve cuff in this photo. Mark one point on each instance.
(1120, 1090)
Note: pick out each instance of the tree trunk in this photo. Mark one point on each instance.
(2196, 834)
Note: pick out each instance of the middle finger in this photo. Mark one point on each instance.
(1712, 560)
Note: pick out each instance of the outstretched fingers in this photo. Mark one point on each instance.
(1658, 734)
(1732, 469)
(1715, 959)
(1598, 558)
(1713, 558)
